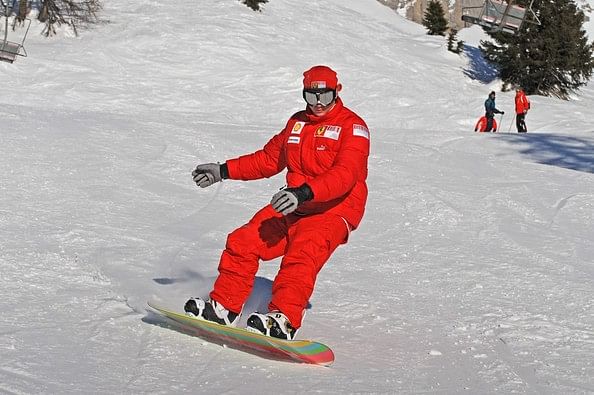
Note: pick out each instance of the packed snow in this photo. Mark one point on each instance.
(472, 271)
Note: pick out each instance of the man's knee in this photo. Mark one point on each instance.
(241, 242)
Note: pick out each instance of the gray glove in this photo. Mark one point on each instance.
(207, 174)
(287, 200)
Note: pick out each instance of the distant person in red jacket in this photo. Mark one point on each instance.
(482, 123)
(522, 107)
(324, 149)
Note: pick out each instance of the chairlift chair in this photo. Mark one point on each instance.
(498, 15)
(9, 50)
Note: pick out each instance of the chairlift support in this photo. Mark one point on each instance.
(9, 50)
(498, 15)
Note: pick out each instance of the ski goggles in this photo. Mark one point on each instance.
(322, 96)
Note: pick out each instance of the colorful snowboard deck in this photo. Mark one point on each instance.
(304, 351)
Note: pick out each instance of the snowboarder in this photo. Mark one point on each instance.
(324, 149)
(481, 125)
(522, 107)
(491, 110)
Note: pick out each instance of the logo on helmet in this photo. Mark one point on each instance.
(318, 84)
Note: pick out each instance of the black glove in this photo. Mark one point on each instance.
(287, 200)
(502, 112)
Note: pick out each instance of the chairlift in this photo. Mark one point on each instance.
(9, 50)
(498, 15)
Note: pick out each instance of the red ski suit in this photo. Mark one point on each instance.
(481, 125)
(328, 153)
(522, 102)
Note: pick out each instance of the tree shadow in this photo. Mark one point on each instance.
(478, 68)
(568, 152)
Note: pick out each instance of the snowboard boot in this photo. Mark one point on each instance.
(211, 310)
(274, 324)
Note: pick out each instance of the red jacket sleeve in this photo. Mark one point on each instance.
(264, 163)
(349, 167)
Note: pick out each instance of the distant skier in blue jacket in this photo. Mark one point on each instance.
(491, 110)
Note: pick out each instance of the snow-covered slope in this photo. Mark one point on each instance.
(471, 272)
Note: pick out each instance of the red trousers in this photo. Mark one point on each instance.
(305, 242)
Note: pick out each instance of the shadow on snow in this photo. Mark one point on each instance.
(257, 301)
(478, 68)
(556, 150)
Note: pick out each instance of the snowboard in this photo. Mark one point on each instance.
(303, 351)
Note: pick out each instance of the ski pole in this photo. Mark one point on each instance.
(501, 121)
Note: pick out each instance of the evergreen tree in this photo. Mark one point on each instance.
(459, 47)
(434, 19)
(553, 58)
